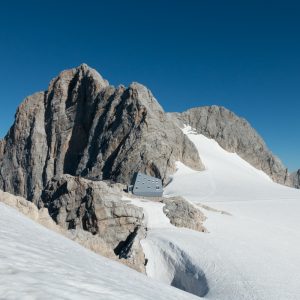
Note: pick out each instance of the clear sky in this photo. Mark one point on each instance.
(244, 55)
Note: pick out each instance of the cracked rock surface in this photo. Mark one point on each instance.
(183, 214)
(85, 127)
(235, 134)
(95, 207)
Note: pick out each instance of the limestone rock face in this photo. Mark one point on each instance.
(83, 126)
(183, 214)
(1, 147)
(82, 205)
(235, 134)
(23, 152)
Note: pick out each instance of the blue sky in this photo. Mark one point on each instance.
(244, 55)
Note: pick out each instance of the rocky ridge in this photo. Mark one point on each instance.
(79, 205)
(234, 134)
(84, 127)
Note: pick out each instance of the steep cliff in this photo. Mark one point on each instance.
(83, 126)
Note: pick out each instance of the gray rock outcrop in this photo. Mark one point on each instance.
(82, 126)
(95, 207)
(295, 177)
(85, 238)
(183, 214)
(234, 134)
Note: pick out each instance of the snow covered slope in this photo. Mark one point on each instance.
(250, 252)
(36, 263)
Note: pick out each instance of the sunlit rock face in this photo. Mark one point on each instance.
(235, 134)
(83, 126)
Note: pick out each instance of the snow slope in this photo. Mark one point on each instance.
(36, 263)
(251, 253)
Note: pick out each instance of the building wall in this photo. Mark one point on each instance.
(147, 186)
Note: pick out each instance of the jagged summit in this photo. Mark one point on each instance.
(83, 126)
(78, 74)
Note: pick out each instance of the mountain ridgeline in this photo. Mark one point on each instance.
(235, 134)
(82, 126)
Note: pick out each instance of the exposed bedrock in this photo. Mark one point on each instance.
(235, 134)
(183, 214)
(95, 207)
(83, 126)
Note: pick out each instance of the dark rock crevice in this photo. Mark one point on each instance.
(94, 207)
(124, 247)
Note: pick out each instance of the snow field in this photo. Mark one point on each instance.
(252, 253)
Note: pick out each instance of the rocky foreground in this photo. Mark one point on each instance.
(94, 214)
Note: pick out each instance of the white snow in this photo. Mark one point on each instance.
(251, 253)
(167, 263)
(36, 263)
(153, 212)
(255, 253)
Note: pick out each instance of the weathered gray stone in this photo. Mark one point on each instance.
(82, 205)
(24, 150)
(234, 134)
(183, 214)
(82, 126)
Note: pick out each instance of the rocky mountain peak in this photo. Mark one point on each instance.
(84, 127)
(84, 75)
(141, 93)
(235, 134)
